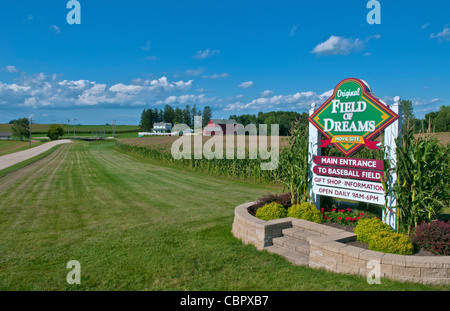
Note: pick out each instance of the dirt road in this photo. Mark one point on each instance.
(17, 157)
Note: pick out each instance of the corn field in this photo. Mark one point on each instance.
(245, 169)
(423, 170)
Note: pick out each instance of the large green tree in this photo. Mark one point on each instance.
(55, 131)
(169, 114)
(408, 117)
(207, 115)
(21, 128)
(187, 119)
(442, 120)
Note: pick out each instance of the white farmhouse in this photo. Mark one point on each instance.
(162, 128)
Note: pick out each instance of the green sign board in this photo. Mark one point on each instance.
(352, 117)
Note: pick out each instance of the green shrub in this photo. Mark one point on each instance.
(366, 228)
(271, 211)
(391, 242)
(306, 211)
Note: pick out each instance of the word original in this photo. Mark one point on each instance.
(348, 93)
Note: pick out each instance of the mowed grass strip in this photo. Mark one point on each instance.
(134, 225)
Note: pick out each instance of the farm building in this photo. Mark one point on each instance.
(5, 135)
(162, 128)
(219, 127)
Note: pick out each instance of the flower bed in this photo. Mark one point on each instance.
(334, 249)
(272, 207)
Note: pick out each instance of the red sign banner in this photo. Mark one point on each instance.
(348, 173)
(350, 162)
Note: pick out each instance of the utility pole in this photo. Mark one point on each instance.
(68, 127)
(29, 131)
(74, 120)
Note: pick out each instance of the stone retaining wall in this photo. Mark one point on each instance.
(329, 251)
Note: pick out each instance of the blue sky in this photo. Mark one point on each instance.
(235, 56)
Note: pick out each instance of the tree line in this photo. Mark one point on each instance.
(433, 122)
(174, 116)
(284, 119)
(21, 129)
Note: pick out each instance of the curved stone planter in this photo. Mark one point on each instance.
(327, 249)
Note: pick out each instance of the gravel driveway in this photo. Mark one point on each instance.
(17, 157)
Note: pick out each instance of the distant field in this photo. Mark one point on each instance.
(79, 129)
(165, 142)
(443, 137)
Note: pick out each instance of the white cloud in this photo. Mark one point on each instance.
(147, 46)
(299, 100)
(293, 29)
(336, 45)
(129, 89)
(247, 85)
(424, 26)
(55, 28)
(266, 93)
(11, 69)
(444, 35)
(425, 102)
(206, 53)
(217, 76)
(186, 99)
(40, 90)
(194, 72)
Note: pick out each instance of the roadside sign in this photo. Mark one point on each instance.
(352, 117)
(348, 173)
(354, 195)
(350, 162)
(350, 184)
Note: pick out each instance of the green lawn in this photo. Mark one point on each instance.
(134, 225)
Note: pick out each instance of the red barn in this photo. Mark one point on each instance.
(219, 127)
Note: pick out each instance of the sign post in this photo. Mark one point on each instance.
(392, 132)
(314, 151)
(350, 119)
